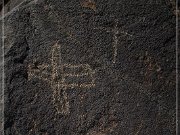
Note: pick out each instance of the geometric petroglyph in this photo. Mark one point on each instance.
(62, 77)
(116, 34)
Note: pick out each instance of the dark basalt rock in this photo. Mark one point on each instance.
(84, 67)
(9, 4)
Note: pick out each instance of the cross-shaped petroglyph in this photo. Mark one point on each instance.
(61, 77)
(116, 32)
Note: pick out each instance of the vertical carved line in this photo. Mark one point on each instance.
(59, 92)
(115, 41)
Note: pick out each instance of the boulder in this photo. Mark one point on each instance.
(90, 67)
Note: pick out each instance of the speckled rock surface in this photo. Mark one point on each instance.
(84, 67)
(9, 5)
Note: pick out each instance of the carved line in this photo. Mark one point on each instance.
(115, 32)
(115, 39)
(57, 89)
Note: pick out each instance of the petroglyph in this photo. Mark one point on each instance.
(115, 39)
(116, 34)
(57, 74)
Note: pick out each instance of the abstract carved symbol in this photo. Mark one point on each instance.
(61, 77)
(116, 34)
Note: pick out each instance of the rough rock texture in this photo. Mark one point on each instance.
(84, 67)
(9, 5)
(1, 87)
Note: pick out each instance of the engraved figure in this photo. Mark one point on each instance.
(116, 32)
(57, 74)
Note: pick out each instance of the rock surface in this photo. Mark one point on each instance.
(9, 5)
(84, 67)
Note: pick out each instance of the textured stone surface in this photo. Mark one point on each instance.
(9, 5)
(85, 67)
